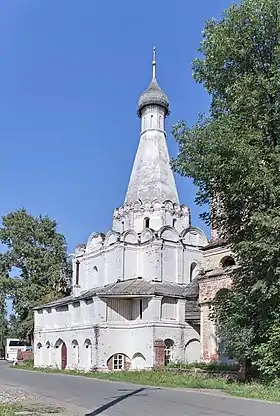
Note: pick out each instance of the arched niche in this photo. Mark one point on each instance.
(147, 205)
(156, 205)
(177, 208)
(192, 351)
(87, 354)
(146, 236)
(169, 234)
(227, 261)
(74, 353)
(222, 293)
(111, 238)
(137, 206)
(58, 343)
(127, 208)
(48, 354)
(131, 237)
(138, 361)
(168, 205)
(195, 268)
(193, 236)
(185, 210)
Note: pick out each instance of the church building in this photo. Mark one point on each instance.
(136, 300)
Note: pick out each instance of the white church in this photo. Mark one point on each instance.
(135, 288)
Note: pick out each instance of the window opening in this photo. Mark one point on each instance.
(227, 262)
(147, 222)
(118, 362)
(168, 351)
(77, 272)
(193, 266)
(141, 308)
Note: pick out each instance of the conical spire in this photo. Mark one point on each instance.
(151, 177)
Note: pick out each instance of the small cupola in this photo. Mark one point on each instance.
(153, 95)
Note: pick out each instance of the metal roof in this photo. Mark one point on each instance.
(132, 288)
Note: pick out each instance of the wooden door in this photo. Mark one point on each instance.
(63, 356)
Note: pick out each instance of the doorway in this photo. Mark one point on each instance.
(63, 356)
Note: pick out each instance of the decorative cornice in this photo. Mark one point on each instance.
(151, 205)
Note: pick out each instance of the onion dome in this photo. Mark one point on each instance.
(153, 95)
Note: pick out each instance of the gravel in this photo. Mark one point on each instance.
(11, 395)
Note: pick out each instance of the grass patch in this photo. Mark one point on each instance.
(32, 410)
(8, 409)
(253, 390)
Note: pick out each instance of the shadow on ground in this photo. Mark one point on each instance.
(116, 400)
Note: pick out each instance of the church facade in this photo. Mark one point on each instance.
(137, 301)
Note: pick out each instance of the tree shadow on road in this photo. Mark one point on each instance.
(114, 402)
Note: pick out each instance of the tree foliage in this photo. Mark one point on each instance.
(34, 266)
(233, 155)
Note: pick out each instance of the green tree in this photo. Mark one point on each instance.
(233, 156)
(37, 254)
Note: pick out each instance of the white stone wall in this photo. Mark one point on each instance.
(161, 255)
(104, 341)
(94, 330)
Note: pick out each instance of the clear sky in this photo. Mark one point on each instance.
(70, 76)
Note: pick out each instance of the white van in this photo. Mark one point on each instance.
(12, 347)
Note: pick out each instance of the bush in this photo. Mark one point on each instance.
(212, 366)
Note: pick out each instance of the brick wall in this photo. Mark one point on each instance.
(208, 288)
(25, 355)
(159, 353)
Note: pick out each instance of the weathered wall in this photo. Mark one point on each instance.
(163, 256)
(91, 347)
(215, 279)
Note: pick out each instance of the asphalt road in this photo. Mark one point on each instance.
(94, 397)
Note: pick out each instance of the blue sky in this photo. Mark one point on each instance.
(70, 76)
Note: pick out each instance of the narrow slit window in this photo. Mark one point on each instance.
(147, 222)
(77, 272)
(141, 308)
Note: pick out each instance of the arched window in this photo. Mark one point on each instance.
(74, 357)
(227, 262)
(75, 343)
(118, 362)
(77, 272)
(192, 268)
(39, 345)
(48, 345)
(87, 343)
(168, 351)
(174, 222)
(147, 222)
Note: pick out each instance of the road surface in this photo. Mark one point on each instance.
(93, 397)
